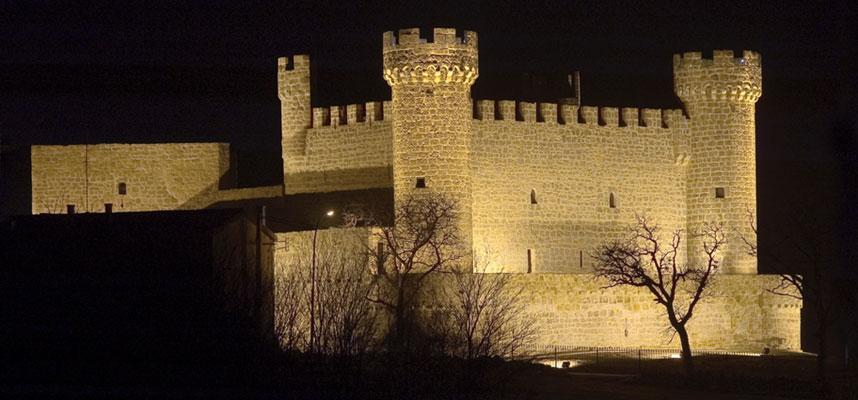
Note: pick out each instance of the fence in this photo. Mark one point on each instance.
(610, 359)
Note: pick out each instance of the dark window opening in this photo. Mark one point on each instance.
(529, 261)
(533, 196)
(611, 201)
(121, 188)
(581, 258)
(719, 193)
(69, 208)
(108, 208)
(421, 183)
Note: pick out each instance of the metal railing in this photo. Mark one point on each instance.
(618, 359)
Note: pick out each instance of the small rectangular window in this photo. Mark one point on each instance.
(70, 208)
(121, 188)
(611, 201)
(421, 183)
(108, 208)
(719, 193)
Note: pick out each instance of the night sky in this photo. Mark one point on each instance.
(76, 72)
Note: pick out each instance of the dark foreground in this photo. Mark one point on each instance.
(409, 377)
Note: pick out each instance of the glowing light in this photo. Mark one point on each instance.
(330, 213)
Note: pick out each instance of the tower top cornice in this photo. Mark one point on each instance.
(447, 58)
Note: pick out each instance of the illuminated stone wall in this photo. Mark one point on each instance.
(431, 83)
(719, 95)
(571, 170)
(549, 182)
(330, 148)
(573, 309)
(156, 176)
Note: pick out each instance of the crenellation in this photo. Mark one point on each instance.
(352, 114)
(507, 110)
(445, 36)
(590, 115)
(408, 36)
(689, 59)
(630, 116)
(568, 114)
(651, 117)
(547, 113)
(609, 116)
(486, 110)
(385, 112)
(723, 58)
(526, 111)
(674, 118)
(321, 117)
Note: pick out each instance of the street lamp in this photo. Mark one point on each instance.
(329, 213)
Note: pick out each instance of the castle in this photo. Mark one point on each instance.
(540, 184)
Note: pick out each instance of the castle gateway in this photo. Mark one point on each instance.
(539, 184)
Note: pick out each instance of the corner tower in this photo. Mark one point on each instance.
(293, 89)
(431, 89)
(720, 97)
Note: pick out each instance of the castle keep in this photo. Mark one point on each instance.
(539, 184)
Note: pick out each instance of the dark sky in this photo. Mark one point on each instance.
(107, 71)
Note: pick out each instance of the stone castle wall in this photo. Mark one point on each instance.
(156, 176)
(347, 148)
(571, 171)
(573, 309)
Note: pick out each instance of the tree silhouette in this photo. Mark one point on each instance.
(649, 261)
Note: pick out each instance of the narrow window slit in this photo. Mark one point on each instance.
(530, 261)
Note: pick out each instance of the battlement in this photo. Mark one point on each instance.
(442, 37)
(408, 58)
(568, 114)
(724, 77)
(366, 113)
(299, 62)
(293, 77)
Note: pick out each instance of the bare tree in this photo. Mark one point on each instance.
(488, 315)
(422, 240)
(346, 317)
(290, 317)
(802, 248)
(343, 316)
(647, 260)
